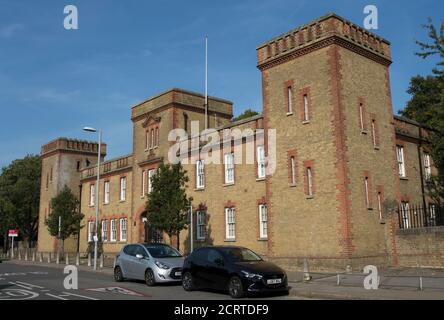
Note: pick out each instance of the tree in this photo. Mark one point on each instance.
(20, 191)
(246, 114)
(167, 205)
(427, 104)
(65, 206)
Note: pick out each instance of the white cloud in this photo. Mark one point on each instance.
(10, 30)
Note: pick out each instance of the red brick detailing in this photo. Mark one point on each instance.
(367, 177)
(289, 84)
(268, 183)
(375, 130)
(309, 164)
(342, 174)
(290, 154)
(306, 92)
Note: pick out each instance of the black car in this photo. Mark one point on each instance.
(236, 269)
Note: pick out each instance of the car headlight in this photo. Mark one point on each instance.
(162, 265)
(251, 276)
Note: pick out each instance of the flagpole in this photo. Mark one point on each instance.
(206, 82)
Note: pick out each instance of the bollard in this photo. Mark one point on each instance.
(49, 257)
(307, 276)
(19, 255)
(33, 255)
(421, 284)
(26, 254)
(58, 257)
(348, 269)
(114, 262)
(338, 280)
(67, 258)
(41, 257)
(89, 259)
(78, 258)
(101, 260)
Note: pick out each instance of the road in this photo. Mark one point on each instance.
(24, 282)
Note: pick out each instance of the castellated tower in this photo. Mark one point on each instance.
(326, 91)
(62, 160)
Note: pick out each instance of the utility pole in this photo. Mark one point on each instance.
(206, 82)
(191, 230)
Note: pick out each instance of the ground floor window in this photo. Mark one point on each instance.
(104, 230)
(90, 231)
(113, 236)
(230, 223)
(201, 225)
(263, 221)
(123, 225)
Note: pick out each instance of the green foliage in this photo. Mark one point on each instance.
(427, 104)
(20, 196)
(66, 206)
(246, 114)
(167, 205)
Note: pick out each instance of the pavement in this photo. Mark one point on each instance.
(395, 284)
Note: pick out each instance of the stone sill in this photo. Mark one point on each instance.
(289, 114)
(306, 122)
(199, 189)
(403, 178)
(230, 240)
(260, 179)
(228, 184)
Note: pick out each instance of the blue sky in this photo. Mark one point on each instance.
(53, 81)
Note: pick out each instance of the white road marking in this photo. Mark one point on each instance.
(17, 294)
(20, 285)
(30, 285)
(54, 296)
(66, 294)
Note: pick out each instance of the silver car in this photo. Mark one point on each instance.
(154, 263)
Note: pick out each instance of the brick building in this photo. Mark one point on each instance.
(342, 158)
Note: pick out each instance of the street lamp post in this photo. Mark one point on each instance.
(96, 236)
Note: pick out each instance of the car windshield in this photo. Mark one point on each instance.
(242, 255)
(157, 251)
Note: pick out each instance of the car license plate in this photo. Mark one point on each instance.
(274, 281)
(178, 274)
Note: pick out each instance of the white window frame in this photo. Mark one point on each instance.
(230, 223)
(157, 136)
(379, 196)
(151, 173)
(260, 162)
(104, 230)
(106, 192)
(306, 110)
(92, 194)
(361, 116)
(229, 168)
(152, 139)
(263, 221)
(367, 195)
(200, 225)
(293, 170)
(90, 231)
(122, 189)
(432, 213)
(113, 229)
(401, 161)
(374, 134)
(200, 174)
(310, 181)
(290, 99)
(144, 176)
(427, 166)
(405, 214)
(123, 226)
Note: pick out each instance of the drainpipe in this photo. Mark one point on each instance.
(80, 210)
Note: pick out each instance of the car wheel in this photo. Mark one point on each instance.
(118, 275)
(188, 282)
(149, 278)
(235, 288)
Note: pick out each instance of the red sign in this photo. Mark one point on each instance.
(13, 233)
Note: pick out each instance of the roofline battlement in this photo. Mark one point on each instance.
(320, 33)
(63, 144)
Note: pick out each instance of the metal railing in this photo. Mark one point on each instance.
(414, 217)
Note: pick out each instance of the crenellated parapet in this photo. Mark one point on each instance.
(72, 146)
(321, 33)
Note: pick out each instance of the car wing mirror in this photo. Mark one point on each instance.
(139, 256)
